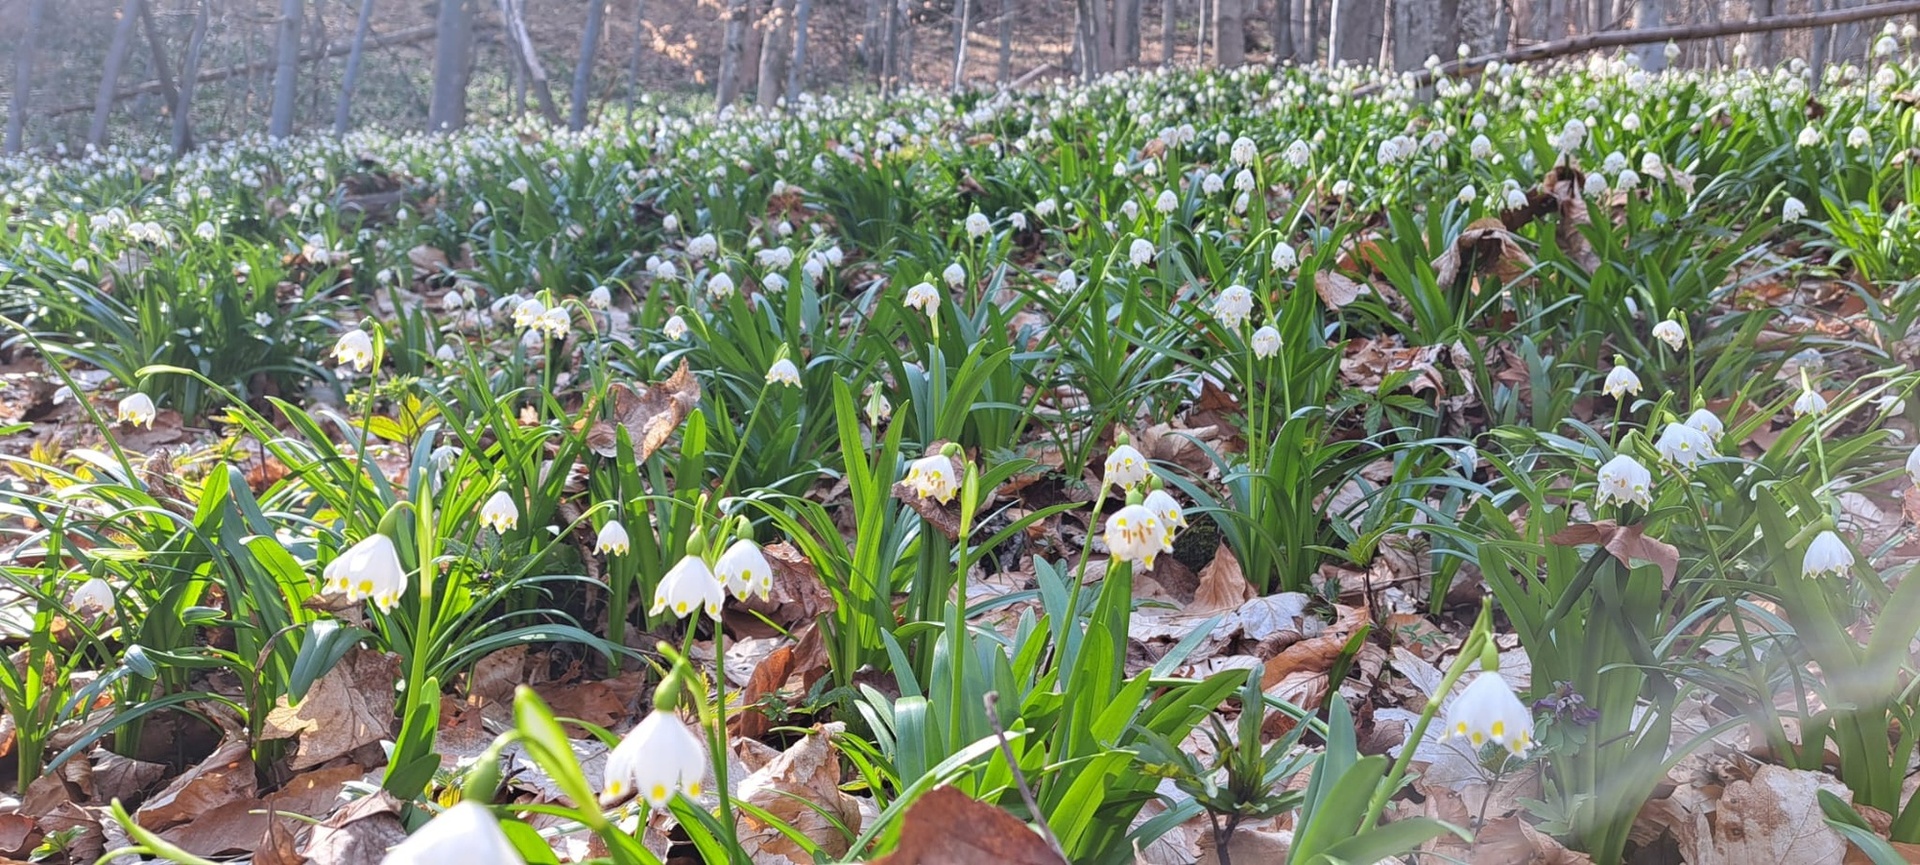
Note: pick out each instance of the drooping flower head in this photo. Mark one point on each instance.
(1135, 534)
(613, 539)
(932, 476)
(1233, 306)
(1488, 711)
(1828, 554)
(137, 409)
(658, 758)
(465, 833)
(1623, 479)
(500, 513)
(354, 347)
(369, 569)
(744, 570)
(1683, 445)
(688, 587)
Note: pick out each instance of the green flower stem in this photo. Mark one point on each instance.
(1469, 654)
(741, 448)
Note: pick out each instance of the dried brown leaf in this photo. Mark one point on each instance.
(225, 776)
(801, 788)
(1222, 585)
(1485, 247)
(349, 707)
(945, 827)
(650, 415)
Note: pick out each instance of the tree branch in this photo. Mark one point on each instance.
(1685, 32)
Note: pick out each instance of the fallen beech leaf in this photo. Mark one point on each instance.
(1513, 841)
(650, 415)
(603, 702)
(1337, 290)
(1772, 817)
(349, 707)
(18, 836)
(358, 834)
(1488, 247)
(225, 776)
(1629, 544)
(1222, 585)
(767, 678)
(945, 827)
(801, 788)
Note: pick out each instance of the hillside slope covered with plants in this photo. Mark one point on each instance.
(1271, 466)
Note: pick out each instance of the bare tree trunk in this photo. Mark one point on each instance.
(189, 77)
(1203, 33)
(750, 61)
(1649, 15)
(160, 71)
(1007, 10)
(513, 18)
(453, 35)
(23, 77)
(1126, 33)
(1769, 42)
(889, 45)
(872, 29)
(1481, 25)
(961, 24)
(1280, 29)
(797, 72)
(1229, 34)
(733, 45)
(1817, 56)
(1311, 29)
(286, 70)
(1100, 27)
(639, 43)
(110, 75)
(1169, 22)
(343, 110)
(774, 53)
(583, 70)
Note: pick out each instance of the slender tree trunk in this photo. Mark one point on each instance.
(1229, 34)
(1817, 56)
(1203, 33)
(1007, 9)
(775, 51)
(1481, 25)
(189, 78)
(583, 70)
(160, 70)
(23, 77)
(1358, 31)
(1648, 15)
(872, 31)
(513, 17)
(889, 45)
(1169, 22)
(453, 34)
(1126, 33)
(343, 109)
(750, 61)
(1768, 54)
(1100, 31)
(1280, 30)
(732, 47)
(797, 71)
(286, 70)
(962, 22)
(110, 75)
(639, 45)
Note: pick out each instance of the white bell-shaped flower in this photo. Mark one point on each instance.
(527, 312)
(613, 539)
(1488, 711)
(1809, 402)
(1913, 466)
(601, 297)
(932, 476)
(1134, 534)
(369, 569)
(1683, 445)
(1621, 382)
(1140, 252)
(1624, 479)
(1167, 202)
(465, 833)
(744, 570)
(1793, 210)
(1284, 258)
(977, 225)
(688, 587)
(500, 512)
(784, 372)
(137, 409)
(659, 757)
(354, 347)
(1233, 306)
(1265, 342)
(1709, 423)
(1126, 467)
(1671, 333)
(95, 596)
(924, 297)
(955, 274)
(720, 286)
(1167, 509)
(1828, 554)
(675, 328)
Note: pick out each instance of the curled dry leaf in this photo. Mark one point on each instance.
(1337, 290)
(946, 827)
(800, 788)
(226, 776)
(1486, 247)
(1629, 544)
(1222, 585)
(359, 834)
(649, 415)
(349, 707)
(1772, 817)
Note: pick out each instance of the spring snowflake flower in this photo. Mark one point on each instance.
(1126, 467)
(702, 246)
(613, 539)
(1067, 282)
(666, 270)
(932, 477)
(354, 347)
(720, 286)
(954, 274)
(1284, 258)
(500, 513)
(977, 225)
(1167, 202)
(1481, 147)
(1885, 45)
(1624, 479)
(1913, 466)
(1167, 509)
(1683, 445)
(1650, 164)
(1793, 210)
(137, 409)
(1299, 153)
(1709, 423)
(519, 186)
(924, 297)
(555, 322)
(744, 570)
(1671, 52)
(465, 833)
(1243, 180)
(1671, 333)
(1140, 252)
(675, 328)
(784, 372)
(1233, 306)
(1467, 194)
(527, 313)
(1810, 402)
(1596, 185)
(1621, 382)
(1134, 534)
(1628, 179)
(1017, 220)
(479, 209)
(1045, 208)
(670, 223)
(879, 408)
(1514, 198)
(1130, 209)
(774, 283)
(1244, 151)
(1265, 342)
(1488, 711)
(658, 758)
(1809, 136)
(369, 569)
(1212, 184)
(204, 231)
(1630, 122)
(776, 257)
(1827, 555)
(95, 596)
(688, 587)
(1859, 138)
